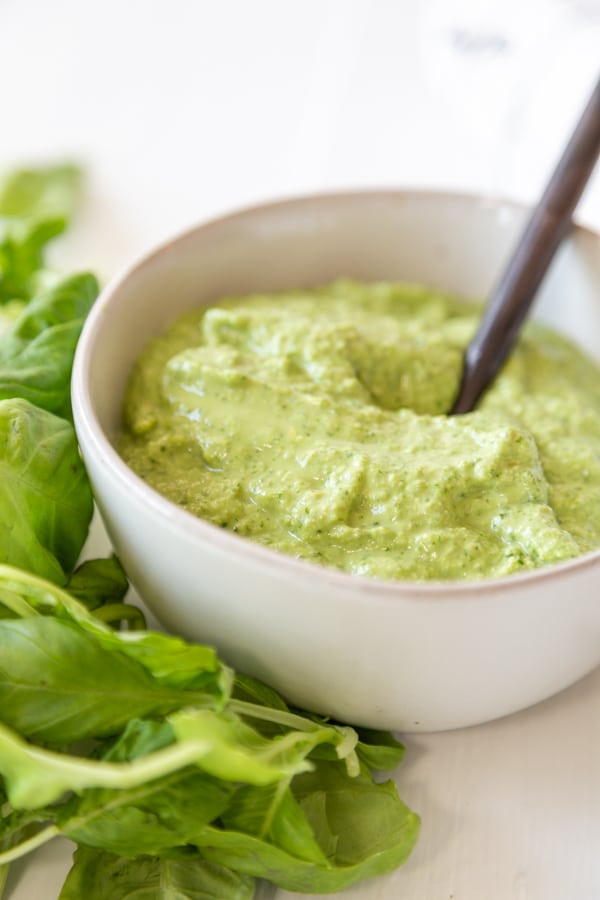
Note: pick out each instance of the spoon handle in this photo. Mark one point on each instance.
(516, 289)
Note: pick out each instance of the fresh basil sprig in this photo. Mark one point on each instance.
(174, 775)
(178, 762)
(45, 498)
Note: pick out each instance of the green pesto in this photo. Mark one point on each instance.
(313, 422)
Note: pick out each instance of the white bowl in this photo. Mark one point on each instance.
(408, 656)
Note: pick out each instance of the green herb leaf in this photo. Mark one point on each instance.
(97, 582)
(101, 586)
(37, 348)
(272, 814)
(45, 499)
(170, 660)
(153, 816)
(251, 690)
(176, 663)
(97, 875)
(238, 752)
(58, 684)
(384, 829)
(35, 206)
(40, 194)
(363, 828)
(379, 750)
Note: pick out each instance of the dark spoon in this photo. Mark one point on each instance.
(516, 289)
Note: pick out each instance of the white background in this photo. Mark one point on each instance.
(184, 109)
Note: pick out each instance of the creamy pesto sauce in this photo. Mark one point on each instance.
(314, 422)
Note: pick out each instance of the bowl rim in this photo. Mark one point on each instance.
(174, 516)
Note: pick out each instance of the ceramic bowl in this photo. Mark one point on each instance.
(400, 655)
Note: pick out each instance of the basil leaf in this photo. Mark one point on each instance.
(272, 813)
(379, 750)
(150, 818)
(362, 827)
(37, 348)
(384, 829)
(45, 499)
(41, 194)
(22, 258)
(170, 660)
(252, 690)
(97, 875)
(58, 684)
(238, 752)
(100, 585)
(19, 825)
(35, 206)
(139, 738)
(97, 582)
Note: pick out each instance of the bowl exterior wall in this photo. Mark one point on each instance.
(403, 656)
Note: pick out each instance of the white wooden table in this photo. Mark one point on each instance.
(182, 109)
